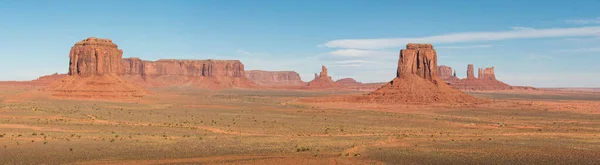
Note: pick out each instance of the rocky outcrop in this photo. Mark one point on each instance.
(95, 72)
(417, 81)
(198, 68)
(470, 72)
(445, 73)
(274, 78)
(348, 82)
(199, 73)
(322, 80)
(485, 81)
(487, 74)
(419, 60)
(95, 56)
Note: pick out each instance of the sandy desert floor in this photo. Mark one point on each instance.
(236, 126)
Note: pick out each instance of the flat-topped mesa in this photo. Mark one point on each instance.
(274, 78)
(444, 71)
(418, 59)
(470, 72)
(195, 68)
(347, 82)
(95, 56)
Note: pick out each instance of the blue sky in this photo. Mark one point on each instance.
(538, 43)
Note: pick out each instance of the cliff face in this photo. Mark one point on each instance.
(274, 78)
(197, 68)
(470, 72)
(200, 73)
(418, 59)
(95, 56)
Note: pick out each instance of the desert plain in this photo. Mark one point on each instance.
(66, 121)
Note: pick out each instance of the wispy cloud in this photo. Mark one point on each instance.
(591, 49)
(521, 28)
(515, 33)
(244, 52)
(353, 63)
(464, 47)
(359, 53)
(584, 21)
(541, 57)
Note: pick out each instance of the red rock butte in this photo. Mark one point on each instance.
(417, 81)
(198, 73)
(95, 56)
(322, 80)
(95, 72)
(274, 78)
(485, 80)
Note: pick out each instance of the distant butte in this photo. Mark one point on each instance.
(274, 78)
(213, 74)
(417, 81)
(95, 72)
(323, 80)
(485, 81)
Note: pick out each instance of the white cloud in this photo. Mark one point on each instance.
(521, 28)
(584, 21)
(464, 47)
(359, 53)
(244, 52)
(355, 62)
(592, 49)
(541, 57)
(352, 63)
(518, 33)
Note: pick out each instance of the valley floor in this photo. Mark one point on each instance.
(195, 126)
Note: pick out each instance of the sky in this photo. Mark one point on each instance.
(534, 43)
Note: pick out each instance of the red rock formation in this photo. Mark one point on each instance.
(274, 78)
(95, 72)
(417, 81)
(199, 73)
(95, 56)
(322, 81)
(445, 73)
(470, 72)
(48, 79)
(487, 74)
(132, 66)
(348, 82)
(486, 80)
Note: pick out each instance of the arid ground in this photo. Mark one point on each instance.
(181, 125)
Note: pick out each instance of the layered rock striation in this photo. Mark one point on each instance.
(199, 73)
(95, 56)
